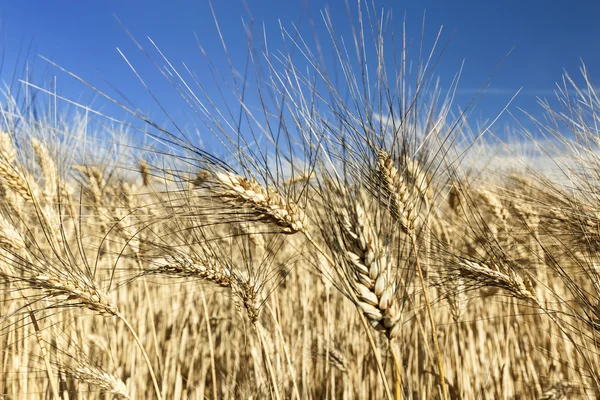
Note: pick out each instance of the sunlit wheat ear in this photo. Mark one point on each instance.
(267, 203)
(455, 199)
(30, 274)
(19, 190)
(48, 169)
(370, 270)
(145, 173)
(395, 190)
(7, 148)
(10, 237)
(250, 297)
(457, 298)
(68, 290)
(94, 376)
(496, 207)
(252, 233)
(334, 357)
(14, 179)
(210, 270)
(504, 277)
(111, 205)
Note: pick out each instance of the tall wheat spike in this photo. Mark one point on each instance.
(268, 203)
(373, 279)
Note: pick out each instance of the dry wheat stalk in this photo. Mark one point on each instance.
(371, 275)
(269, 204)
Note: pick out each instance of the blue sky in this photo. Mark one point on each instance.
(82, 36)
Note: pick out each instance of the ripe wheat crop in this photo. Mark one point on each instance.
(360, 251)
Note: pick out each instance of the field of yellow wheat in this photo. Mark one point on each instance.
(343, 237)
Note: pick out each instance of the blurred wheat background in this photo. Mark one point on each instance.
(347, 235)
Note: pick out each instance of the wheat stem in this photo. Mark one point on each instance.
(144, 354)
(397, 370)
(413, 240)
(45, 357)
(268, 364)
(213, 369)
(286, 353)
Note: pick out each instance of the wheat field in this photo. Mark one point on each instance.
(346, 237)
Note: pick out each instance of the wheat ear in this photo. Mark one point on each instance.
(95, 376)
(502, 277)
(7, 148)
(395, 189)
(268, 203)
(363, 320)
(81, 291)
(48, 168)
(10, 238)
(372, 282)
(145, 173)
(207, 269)
(13, 179)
